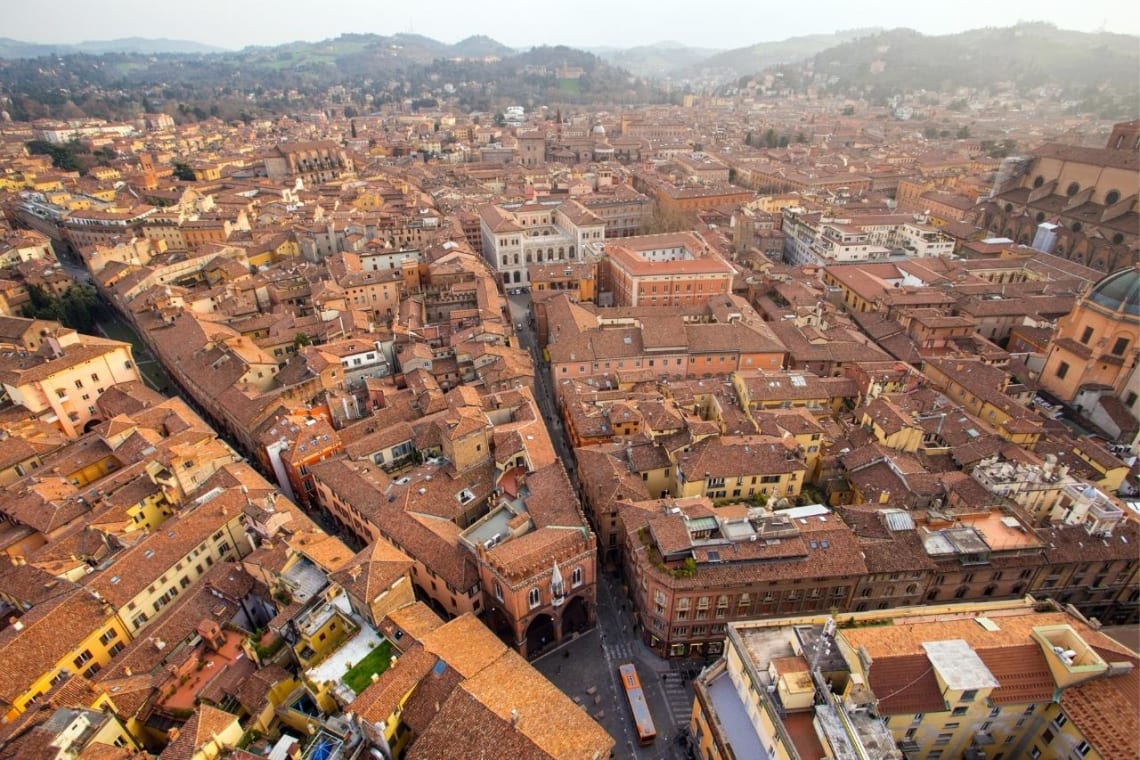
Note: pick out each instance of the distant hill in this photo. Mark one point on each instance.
(749, 60)
(657, 60)
(16, 49)
(481, 46)
(1028, 55)
(479, 73)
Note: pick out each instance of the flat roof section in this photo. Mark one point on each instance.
(735, 724)
(959, 666)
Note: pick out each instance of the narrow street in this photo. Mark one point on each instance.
(585, 668)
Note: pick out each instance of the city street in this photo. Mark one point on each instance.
(585, 668)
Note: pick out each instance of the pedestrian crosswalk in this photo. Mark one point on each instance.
(679, 697)
(618, 651)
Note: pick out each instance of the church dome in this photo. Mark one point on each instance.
(1120, 291)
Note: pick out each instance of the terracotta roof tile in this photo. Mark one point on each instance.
(1107, 711)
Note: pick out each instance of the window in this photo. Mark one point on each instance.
(1083, 748)
(1119, 346)
(1060, 720)
(108, 636)
(84, 656)
(534, 598)
(1047, 736)
(969, 695)
(498, 591)
(94, 377)
(1035, 753)
(1062, 369)
(1086, 336)
(743, 605)
(576, 578)
(78, 383)
(960, 711)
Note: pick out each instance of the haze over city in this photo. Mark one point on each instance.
(721, 24)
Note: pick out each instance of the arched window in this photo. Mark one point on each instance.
(534, 598)
(576, 577)
(1073, 189)
(1038, 181)
(498, 591)
(1112, 197)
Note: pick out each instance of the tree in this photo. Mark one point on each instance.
(65, 157)
(302, 339)
(183, 171)
(848, 110)
(76, 308)
(964, 133)
(664, 220)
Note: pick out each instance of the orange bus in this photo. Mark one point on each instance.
(642, 720)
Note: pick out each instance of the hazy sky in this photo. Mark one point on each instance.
(580, 23)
